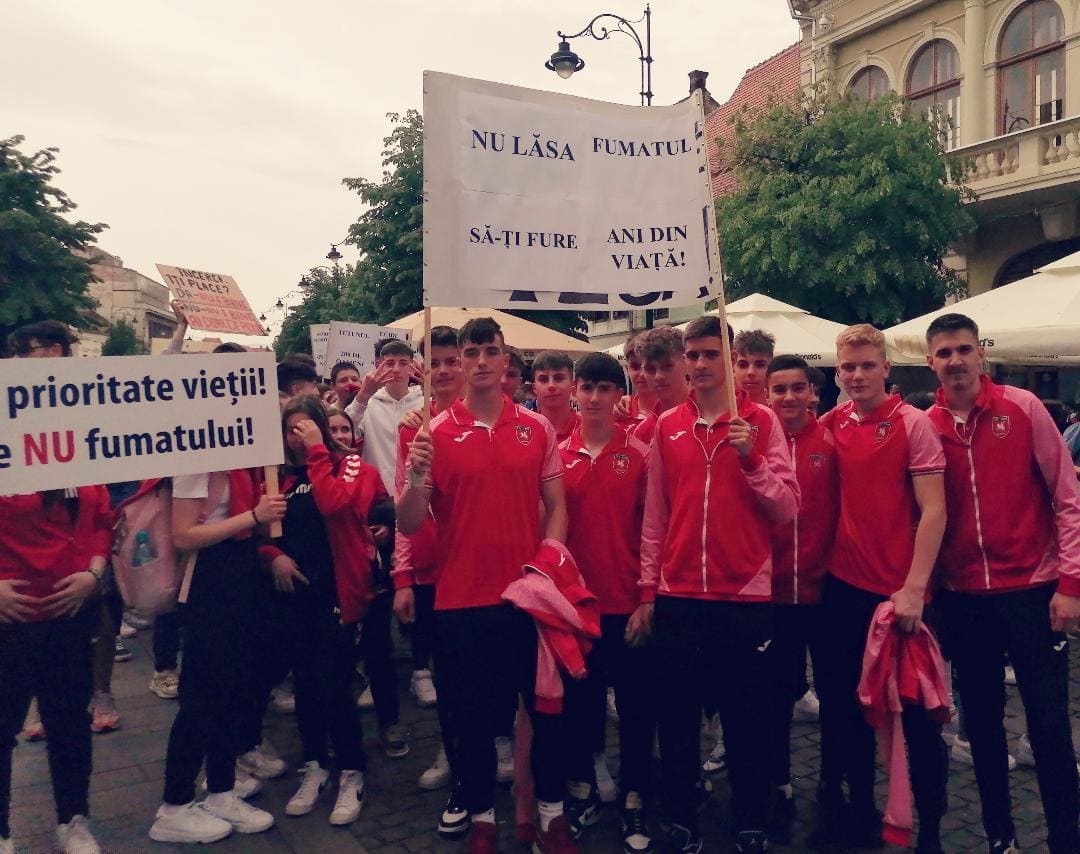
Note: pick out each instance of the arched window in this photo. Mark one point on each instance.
(933, 87)
(869, 83)
(1031, 67)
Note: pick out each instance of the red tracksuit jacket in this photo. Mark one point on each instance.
(709, 514)
(1012, 496)
(801, 548)
(344, 495)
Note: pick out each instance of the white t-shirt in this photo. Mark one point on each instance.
(198, 486)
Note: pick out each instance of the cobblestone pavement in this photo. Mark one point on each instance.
(399, 817)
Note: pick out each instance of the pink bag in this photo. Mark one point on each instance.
(148, 570)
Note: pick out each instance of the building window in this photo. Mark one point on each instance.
(869, 83)
(661, 313)
(620, 315)
(1031, 67)
(933, 87)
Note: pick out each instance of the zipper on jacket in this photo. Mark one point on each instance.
(705, 529)
(795, 524)
(970, 435)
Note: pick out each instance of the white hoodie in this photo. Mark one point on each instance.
(378, 424)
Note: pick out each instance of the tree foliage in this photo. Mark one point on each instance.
(39, 276)
(845, 208)
(387, 282)
(121, 340)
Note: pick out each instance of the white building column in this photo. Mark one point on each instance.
(976, 110)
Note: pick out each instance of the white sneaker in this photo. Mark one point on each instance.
(350, 799)
(504, 752)
(127, 630)
(192, 823)
(807, 708)
(315, 780)
(605, 786)
(263, 762)
(75, 837)
(245, 785)
(961, 752)
(423, 689)
(716, 763)
(365, 700)
(166, 684)
(283, 700)
(438, 775)
(7, 846)
(243, 817)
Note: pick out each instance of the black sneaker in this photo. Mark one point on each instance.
(635, 832)
(864, 828)
(121, 652)
(1003, 846)
(829, 830)
(455, 819)
(395, 741)
(751, 842)
(782, 818)
(582, 812)
(684, 839)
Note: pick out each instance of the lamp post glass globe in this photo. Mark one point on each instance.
(564, 61)
(333, 254)
(279, 304)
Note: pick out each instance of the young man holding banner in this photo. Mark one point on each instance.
(710, 473)
(484, 467)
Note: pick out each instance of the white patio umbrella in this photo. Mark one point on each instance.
(797, 331)
(1034, 321)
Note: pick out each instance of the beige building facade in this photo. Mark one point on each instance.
(1007, 75)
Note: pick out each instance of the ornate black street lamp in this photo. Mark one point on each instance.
(565, 62)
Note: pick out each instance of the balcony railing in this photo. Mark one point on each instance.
(1032, 156)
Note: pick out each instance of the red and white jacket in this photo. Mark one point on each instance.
(344, 493)
(709, 513)
(801, 548)
(1012, 496)
(42, 543)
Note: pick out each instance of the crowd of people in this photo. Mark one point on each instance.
(650, 556)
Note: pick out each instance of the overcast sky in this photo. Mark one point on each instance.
(214, 133)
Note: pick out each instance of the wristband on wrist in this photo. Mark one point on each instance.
(97, 573)
(256, 518)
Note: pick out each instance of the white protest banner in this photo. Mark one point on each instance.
(355, 342)
(213, 302)
(320, 338)
(73, 422)
(539, 200)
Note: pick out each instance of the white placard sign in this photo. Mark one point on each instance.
(212, 302)
(539, 200)
(320, 338)
(74, 422)
(355, 342)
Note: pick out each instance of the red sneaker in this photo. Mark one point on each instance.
(483, 838)
(559, 839)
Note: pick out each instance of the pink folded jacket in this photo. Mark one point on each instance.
(899, 669)
(567, 619)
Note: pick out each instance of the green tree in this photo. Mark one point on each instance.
(39, 276)
(388, 279)
(844, 207)
(121, 340)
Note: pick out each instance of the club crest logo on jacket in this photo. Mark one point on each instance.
(817, 462)
(621, 463)
(523, 433)
(999, 425)
(882, 432)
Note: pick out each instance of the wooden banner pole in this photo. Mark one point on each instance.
(270, 475)
(721, 308)
(426, 412)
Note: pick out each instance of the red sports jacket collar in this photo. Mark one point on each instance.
(462, 415)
